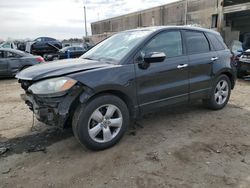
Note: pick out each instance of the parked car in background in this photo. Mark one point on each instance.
(8, 44)
(246, 41)
(127, 75)
(66, 52)
(13, 61)
(43, 45)
(243, 64)
(241, 57)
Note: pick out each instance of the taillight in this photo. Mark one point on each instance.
(39, 59)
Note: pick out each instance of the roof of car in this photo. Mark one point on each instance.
(186, 27)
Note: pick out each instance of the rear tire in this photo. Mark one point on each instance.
(220, 93)
(101, 123)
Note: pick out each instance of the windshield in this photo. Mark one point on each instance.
(116, 47)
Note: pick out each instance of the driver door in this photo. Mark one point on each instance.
(163, 83)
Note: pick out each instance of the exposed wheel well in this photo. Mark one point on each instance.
(122, 96)
(230, 76)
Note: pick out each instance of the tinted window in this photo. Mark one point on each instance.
(168, 42)
(215, 42)
(196, 42)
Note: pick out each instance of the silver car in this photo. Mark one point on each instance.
(13, 61)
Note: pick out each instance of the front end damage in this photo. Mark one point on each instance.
(55, 110)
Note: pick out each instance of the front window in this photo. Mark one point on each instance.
(115, 48)
(168, 42)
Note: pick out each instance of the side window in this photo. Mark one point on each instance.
(196, 42)
(12, 55)
(215, 42)
(168, 42)
(39, 39)
(6, 45)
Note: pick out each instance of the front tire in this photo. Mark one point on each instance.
(101, 123)
(220, 93)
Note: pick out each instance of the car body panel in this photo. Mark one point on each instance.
(59, 68)
(159, 86)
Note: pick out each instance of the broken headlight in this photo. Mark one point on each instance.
(52, 86)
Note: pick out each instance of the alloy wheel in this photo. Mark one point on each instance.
(221, 92)
(105, 123)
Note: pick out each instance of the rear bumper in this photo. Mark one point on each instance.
(53, 111)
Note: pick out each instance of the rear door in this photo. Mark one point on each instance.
(201, 59)
(3, 64)
(166, 82)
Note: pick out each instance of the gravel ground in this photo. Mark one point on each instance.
(180, 147)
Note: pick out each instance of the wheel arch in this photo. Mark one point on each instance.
(231, 78)
(230, 75)
(126, 99)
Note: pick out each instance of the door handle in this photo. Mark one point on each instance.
(214, 58)
(182, 66)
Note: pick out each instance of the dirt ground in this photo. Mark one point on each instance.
(189, 147)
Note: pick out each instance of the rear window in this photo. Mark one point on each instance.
(196, 42)
(216, 42)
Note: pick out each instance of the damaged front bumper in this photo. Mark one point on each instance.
(51, 109)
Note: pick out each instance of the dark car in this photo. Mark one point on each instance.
(13, 61)
(246, 41)
(243, 64)
(127, 75)
(66, 52)
(45, 45)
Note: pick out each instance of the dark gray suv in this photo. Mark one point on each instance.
(129, 74)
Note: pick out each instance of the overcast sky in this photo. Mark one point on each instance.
(61, 18)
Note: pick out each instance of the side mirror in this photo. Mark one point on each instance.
(154, 57)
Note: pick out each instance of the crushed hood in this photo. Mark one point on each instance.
(59, 68)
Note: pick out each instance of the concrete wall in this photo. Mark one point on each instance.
(199, 12)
